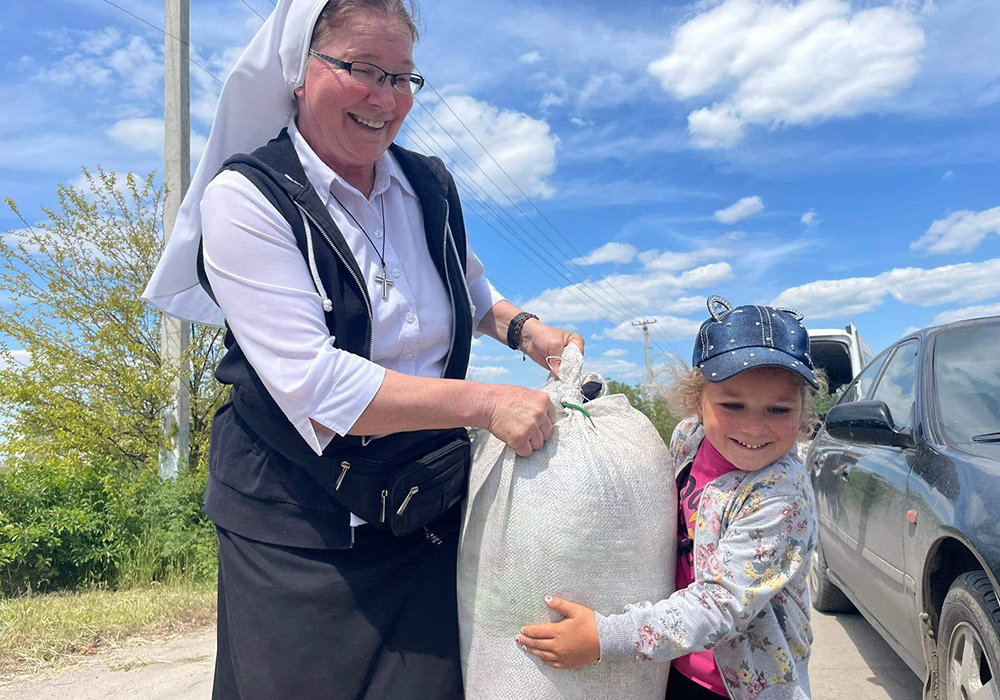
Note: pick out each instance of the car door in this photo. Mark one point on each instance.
(828, 459)
(872, 498)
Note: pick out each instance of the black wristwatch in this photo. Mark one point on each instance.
(514, 329)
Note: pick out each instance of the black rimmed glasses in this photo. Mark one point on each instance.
(372, 76)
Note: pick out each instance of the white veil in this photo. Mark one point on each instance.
(256, 103)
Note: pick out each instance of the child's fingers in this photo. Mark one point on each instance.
(539, 644)
(548, 657)
(563, 607)
(540, 631)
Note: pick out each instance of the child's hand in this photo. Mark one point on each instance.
(570, 643)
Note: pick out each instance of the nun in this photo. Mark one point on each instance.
(339, 264)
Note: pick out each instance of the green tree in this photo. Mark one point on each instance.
(87, 380)
(654, 408)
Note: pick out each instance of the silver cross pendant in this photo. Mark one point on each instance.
(385, 282)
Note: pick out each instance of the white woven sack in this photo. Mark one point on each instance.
(591, 517)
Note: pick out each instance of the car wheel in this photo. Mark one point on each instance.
(826, 597)
(969, 639)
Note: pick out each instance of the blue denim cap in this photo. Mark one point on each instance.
(735, 340)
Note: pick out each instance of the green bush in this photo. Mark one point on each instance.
(70, 524)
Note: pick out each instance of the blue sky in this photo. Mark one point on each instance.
(838, 157)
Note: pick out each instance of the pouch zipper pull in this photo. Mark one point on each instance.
(406, 501)
(344, 466)
(385, 495)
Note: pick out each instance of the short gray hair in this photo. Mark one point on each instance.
(337, 12)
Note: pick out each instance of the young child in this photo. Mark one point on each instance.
(738, 624)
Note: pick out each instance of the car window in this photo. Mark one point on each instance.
(859, 390)
(967, 382)
(896, 386)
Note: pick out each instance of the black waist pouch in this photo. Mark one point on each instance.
(404, 481)
(399, 482)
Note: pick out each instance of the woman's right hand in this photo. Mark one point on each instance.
(522, 418)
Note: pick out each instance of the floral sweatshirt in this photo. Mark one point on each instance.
(749, 603)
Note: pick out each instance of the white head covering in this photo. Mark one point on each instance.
(257, 102)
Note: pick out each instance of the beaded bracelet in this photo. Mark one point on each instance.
(514, 329)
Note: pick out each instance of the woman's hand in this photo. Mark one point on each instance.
(541, 341)
(570, 643)
(522, 418)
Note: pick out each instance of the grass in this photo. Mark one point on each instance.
(42, 632)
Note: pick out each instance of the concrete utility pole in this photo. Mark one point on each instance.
(175, 334)
(645, 338)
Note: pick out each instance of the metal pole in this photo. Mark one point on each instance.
(645, 338)
(176, 334)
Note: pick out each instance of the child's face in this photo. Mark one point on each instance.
(752, 419)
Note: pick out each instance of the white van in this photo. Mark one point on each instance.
(841, 353)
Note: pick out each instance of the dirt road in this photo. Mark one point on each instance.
(850, 662)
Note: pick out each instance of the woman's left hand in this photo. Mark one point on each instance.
(570, 643)
(541, 341)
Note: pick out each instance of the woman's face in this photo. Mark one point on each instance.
(753, 418)
(331, 101)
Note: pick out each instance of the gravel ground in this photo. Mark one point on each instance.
(850, 662)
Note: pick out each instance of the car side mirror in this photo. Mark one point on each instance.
(866, 423)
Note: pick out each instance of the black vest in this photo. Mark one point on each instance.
(265, 482)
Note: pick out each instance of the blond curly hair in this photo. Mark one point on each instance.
(683, 396)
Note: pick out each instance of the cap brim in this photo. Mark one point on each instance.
(729, 364)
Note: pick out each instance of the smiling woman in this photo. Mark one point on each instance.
(340, 265)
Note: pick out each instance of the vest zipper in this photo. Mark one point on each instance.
(344, 466)
(451, 292)
(361, 286)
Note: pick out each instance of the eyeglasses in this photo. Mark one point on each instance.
(372, 76)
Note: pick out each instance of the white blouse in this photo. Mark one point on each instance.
(263, 285)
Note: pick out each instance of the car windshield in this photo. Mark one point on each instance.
(967, 377)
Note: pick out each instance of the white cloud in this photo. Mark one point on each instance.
(486, 373)
(948, 174)
(530, 58)
(774, 63)
(748, 206)
(714, 128)
(961, 232)
(145, 134)
(20, 357)
(615, 352)
(913, 286)
(611, 252)
(21, 237)
(967, 312)
(101, 41)
(674, 261)
(522, 145)
(581, 122)
(134, 69)
(551, 99)
(669, 326)
(810, 218)
(614, 368)
(582, 301)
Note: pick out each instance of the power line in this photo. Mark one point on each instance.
(575, 288)
(166, 33)
(253, 10)
(597, 286)
(528, 199)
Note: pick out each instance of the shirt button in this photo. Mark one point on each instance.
(411, 317)
(395, 272)
(408, 356)
(378, 233)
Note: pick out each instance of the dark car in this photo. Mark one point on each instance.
(906, 470)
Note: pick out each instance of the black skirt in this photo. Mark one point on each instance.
(377, 621)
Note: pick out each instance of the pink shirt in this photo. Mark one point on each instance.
(708, 464)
